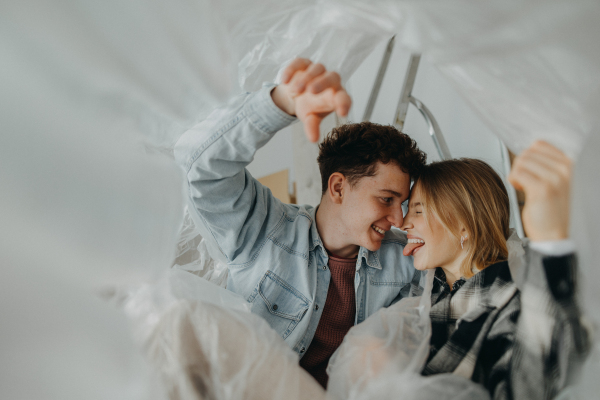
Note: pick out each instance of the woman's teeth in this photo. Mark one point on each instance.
(416, 241)
(379, 230)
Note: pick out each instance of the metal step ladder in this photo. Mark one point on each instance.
(407, 98)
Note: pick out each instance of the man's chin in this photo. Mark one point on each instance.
(373, 246)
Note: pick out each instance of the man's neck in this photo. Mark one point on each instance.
(332, 231)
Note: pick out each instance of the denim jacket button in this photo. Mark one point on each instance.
(324, 267)
(316, 306)
(275, 307)
(302, 350)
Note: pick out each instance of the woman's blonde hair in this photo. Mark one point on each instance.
(469, 192)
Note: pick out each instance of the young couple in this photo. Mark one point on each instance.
(314, 272)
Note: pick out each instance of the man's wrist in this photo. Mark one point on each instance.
(282, 100)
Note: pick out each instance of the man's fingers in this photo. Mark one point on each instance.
(298, 64)
(343, 102)
(329, 79)
(301, 80)
(311, 127)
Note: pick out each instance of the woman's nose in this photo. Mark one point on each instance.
(407, 223)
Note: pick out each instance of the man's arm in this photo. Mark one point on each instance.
(232, 210)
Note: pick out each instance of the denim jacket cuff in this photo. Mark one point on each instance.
(264, 114)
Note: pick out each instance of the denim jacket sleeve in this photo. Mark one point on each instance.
(232, 210)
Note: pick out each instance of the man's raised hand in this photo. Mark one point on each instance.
(544, 172)
(311, 93)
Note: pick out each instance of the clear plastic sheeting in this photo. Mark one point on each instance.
(193, 255)
(411, 386)
(95, 94)
(205, 344)
(384, 355)
(393, 342)
(531, 69)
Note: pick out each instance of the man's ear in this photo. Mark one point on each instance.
(335, 188)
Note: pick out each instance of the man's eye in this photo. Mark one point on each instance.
(387, 199)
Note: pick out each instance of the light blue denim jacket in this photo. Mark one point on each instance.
(275, 255)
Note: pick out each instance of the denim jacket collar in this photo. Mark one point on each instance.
(370, 257)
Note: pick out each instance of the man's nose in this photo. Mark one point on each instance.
(396, 217)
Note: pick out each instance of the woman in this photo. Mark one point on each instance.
(516, 343)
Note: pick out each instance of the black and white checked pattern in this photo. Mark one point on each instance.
(519, 344)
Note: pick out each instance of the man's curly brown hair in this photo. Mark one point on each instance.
(355, 149)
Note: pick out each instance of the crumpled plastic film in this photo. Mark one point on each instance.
(529, 68)
(90, 88)
(323, 31)
(411, 386)
(394, 340)
(205, 343)
(193, 255)
(516, 257)
(384, 355)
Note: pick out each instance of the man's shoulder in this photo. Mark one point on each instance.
(297, 226)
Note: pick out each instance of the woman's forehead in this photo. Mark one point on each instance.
(416, 196)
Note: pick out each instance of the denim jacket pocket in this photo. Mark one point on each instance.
(279, 303)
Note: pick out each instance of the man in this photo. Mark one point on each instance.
(312, 273)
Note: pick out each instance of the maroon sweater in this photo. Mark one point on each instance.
(337, 318)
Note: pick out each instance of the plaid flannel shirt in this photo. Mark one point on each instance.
(519, 344)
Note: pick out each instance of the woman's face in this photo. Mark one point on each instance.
(429, 242)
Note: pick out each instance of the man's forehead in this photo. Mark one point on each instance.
(392, 192)
(395, 192)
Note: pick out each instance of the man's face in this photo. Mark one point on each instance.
(373, 205)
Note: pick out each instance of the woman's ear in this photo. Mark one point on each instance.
(335, 187)
(464, 237)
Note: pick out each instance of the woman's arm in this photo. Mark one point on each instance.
(550, 342)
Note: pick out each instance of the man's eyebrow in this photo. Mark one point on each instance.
(393, 193)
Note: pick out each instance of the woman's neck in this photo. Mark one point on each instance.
(452, 275)
(453, 270)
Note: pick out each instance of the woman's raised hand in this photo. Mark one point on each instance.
(544, 172)
(311, 93)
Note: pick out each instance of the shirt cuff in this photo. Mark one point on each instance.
(264, 114)
(553, 248)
